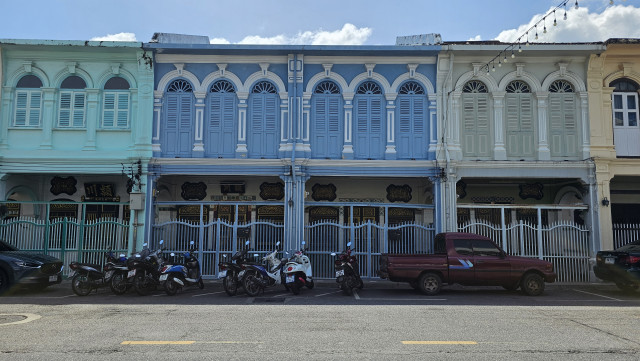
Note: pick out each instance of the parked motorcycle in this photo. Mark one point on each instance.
(258, 277)
(232, 271)
(87, 277)
(176, 277)
(144, 269)
(297, 272)
(347, 271)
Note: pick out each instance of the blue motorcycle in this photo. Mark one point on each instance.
(175, 277)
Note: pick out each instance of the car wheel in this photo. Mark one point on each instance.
(532, 284)
(4, 282)
(430, 284)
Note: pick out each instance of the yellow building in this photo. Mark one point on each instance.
(614, 84)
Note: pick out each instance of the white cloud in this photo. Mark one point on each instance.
(616, 21)
(116, 37)
(476, 38)
(348, 35)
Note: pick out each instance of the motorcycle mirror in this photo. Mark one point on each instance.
(145, 244)
(303, 243)
(122, 255)
(256, 255)
(224, 256)
(277, 243)
(333, 254)
(349, 244)
(161, 241)
(247, 243)
(173, 254)
(191, 243)
(137, 256)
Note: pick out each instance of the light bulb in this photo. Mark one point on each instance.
(519, 48)
(576, 4)
(512, 54)
(499, 63)
(536, 36)
(565, 15)
(545, 30)
(505, 58)
(493, 68)
(555, 23)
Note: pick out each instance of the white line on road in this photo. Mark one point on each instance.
(595, 294)
(206, 294)
(402, 299)
(28, 317)
(280, 295)
(356, 295)
(324, 294)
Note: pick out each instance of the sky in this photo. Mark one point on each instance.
(325, 22)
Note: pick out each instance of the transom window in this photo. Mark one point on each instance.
(222, 86)
(411, 88)
(71, 112)
(518, 86)
(180, 86)
(474, 86)
(116, 102)
(327, 87)
(28, 102)
(264, 87)
(561, 86)
(369, 87)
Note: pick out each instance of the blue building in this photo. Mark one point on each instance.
(326, 144)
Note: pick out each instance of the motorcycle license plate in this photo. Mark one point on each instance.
(290, 279)
(163, 277)
(609, 260)
(222, 274)
(53, 278)
(340, 273)
(131, 273)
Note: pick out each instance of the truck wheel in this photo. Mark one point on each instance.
(430, 284)
(532, 284)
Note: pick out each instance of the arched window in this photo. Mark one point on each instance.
(626, 132)
(177, 135)
(71, 112)
(326, 121)
(476, 135)
(564, 133)
(264, 124)
(220, 134)
(115, 104)
(519, 120)
(369, 130)
(411, 121)
(28, 102)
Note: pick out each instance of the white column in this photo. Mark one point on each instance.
(584, 113)
(543, 144)
(499, 150)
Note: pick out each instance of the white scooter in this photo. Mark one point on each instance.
(259, 277)
(297, 272)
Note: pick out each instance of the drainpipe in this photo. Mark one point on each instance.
(446, 192)
(294, 121)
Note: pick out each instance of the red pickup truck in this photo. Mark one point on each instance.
(467, 259)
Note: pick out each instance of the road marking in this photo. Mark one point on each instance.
(28, 318)
(280, 295)
(356, 295)
(157, 342)
(402, 299)
(439, 343)
(324, 294)
(595, 294)
(232, 342)
(206, 294)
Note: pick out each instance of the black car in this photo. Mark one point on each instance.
(20, 268)
(621, 266)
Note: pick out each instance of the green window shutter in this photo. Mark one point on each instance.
(123, 110)
(22, 99)
(34, 108)
(78, 109)
(64, 119)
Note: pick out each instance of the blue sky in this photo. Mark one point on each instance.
(367, 22)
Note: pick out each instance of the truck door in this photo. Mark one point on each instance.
(461, 263)
(491, 265)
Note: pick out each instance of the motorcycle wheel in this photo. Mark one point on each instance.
(201, 284)
(230, 284)
(360, 284)
(81, 285)
(295, 288)
(171, 287)
(143, 285)
(346, 288)
(118, 284)
(251, 284)
(310, 285)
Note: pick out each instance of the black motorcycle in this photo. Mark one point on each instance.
(145, 269)
(87, 277)
(232, 271)
(347, 272)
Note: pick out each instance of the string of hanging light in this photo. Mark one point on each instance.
(502, 57)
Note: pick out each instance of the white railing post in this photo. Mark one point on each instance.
(503, 228)
(539, 231)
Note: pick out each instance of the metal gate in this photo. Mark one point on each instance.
(369, 240)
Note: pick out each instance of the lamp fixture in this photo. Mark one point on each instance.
(605, 202)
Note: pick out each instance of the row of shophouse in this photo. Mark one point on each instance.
(115, 144)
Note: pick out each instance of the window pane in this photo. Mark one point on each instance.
(633, 119)
(619, 119)
(617, 101)
(631, 102)
(485, 248)
(462, 247)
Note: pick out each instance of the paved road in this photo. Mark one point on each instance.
(384, 321)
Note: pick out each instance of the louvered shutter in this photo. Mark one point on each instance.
(378, 143)
(520, 130)
(256, 127)
(320, 131)
(403, 135)
(526, 124)
(271, 135)
(109, 106)
(170, 127)
(185, 124)
(229, 134)
(78, 109)
(334, 109)
(22, 100)
(123, 110)
(64, 118)
(35, 104)
(563, 130)
(361, 138)
(213, 131)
